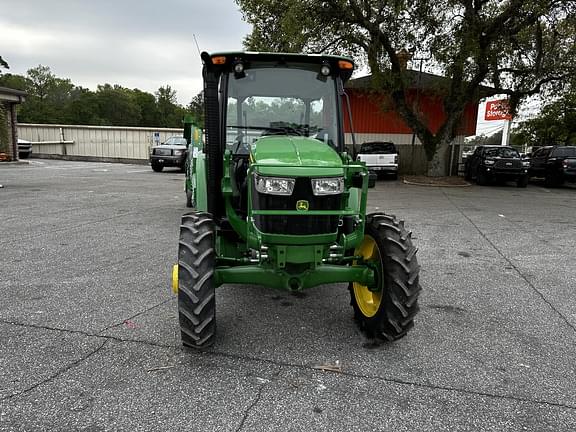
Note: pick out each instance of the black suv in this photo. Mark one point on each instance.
(171, 153)
(496, 163)
(556, 164)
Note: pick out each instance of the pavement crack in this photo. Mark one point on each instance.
(512, 265)
(58, 373)
(397, 381)
(41, 327)
(250, 408)
(254, 403)
(87, 334)
(283, 365)
(135, 315)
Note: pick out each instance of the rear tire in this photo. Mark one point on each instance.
(552, 180)
(481, 178)
(389, 314)
(522, 182)
(156, 167)
(196, 291)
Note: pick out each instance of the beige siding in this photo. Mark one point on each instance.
(93, 141)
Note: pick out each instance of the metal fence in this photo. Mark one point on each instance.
(93, 142)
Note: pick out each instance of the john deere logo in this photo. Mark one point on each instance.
(302, 205)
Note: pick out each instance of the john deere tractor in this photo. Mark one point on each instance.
(281, 203)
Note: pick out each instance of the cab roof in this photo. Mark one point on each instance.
(270, 56)
(229, 58)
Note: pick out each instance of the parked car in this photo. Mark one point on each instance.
(467, 151)
(556, 164)
(380, 157)
(171, 153)
(24, 148)
(491, 163)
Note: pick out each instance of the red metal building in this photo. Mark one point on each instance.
(374, 117)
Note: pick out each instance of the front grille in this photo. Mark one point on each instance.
(508, 164)
(296, 225)
(163, 152)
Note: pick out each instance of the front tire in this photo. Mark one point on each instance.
(388, 312)
(481, 178)
(157, 167)
(522, 182)
(196, 291)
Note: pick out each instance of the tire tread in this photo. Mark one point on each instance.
(196, 292)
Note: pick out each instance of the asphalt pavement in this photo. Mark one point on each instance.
(89, 336)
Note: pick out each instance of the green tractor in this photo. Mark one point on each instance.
(279, 201)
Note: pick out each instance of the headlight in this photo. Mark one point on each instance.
(328, 186)
(178, 152)
(525, 164)
(488, 162)
(274, 185)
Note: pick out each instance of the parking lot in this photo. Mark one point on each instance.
(89, 336)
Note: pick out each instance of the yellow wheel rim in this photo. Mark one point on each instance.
(175, 278)
(368, 302)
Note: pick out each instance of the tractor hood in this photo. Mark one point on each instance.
(295, 156)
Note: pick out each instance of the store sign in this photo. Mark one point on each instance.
(498, 110)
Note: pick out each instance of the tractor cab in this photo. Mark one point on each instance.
(279, 114)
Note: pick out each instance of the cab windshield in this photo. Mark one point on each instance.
(502, 152)
(280, 101)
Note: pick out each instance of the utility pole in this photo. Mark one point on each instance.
(506, 132)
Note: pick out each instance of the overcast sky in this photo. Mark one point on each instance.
(133, 43)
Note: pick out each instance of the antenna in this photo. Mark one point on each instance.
(196, 42)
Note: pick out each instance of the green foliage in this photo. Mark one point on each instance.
(117, 105)
(17, 82)
(518, 47)
(58, 101)
(494, 139)
(555, 125)
(3, 64)
(168, 111)
(196, 109)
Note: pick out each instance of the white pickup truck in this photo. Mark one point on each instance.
(380, 157)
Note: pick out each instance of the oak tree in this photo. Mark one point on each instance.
(516, 48)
